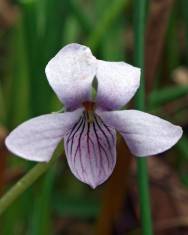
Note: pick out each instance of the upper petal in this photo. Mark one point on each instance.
(70, 74)
(144, 133)
(117, 83)
(38, 138)
(91, 150)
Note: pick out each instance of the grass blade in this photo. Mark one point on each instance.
(142, 171)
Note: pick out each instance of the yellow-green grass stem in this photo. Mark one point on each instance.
(142, 170)
(24, 183)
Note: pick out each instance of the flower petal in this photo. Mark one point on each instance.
(70, 74)
(91, 150)
(144, 133)
(117, 83)
(38, 138)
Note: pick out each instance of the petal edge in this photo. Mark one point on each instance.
(91, 151)
(145, 134)
(117, 83)
(37, 138)
(70, 73)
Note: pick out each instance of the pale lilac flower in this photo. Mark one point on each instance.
(89, 126)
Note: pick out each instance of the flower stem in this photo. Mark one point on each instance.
(24, 183)
(142, 171)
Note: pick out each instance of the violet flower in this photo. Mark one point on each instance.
(89, 126)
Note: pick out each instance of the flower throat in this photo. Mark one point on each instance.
(90, 110)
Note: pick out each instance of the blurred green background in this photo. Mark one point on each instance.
(31, 33)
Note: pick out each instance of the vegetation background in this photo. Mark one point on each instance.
(31, 32)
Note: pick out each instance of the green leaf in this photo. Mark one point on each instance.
(165, 95)
(78, 13)
(41, 217)
(111, 14)
(77, 207)
(182, 147)
(2, 106)
(17, 99)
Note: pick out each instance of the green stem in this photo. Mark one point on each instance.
(24, 183)
(142, 171)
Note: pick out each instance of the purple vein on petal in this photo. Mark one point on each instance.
(79, 144)
(104, 134)
(90, 150)
(71, 138)
(100, 146)
(89, 140)
(107, 128)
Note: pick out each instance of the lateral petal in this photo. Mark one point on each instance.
(37, 138)
(145, 134)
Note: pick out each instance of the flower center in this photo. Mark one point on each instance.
(90, 110)
(89, 106)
